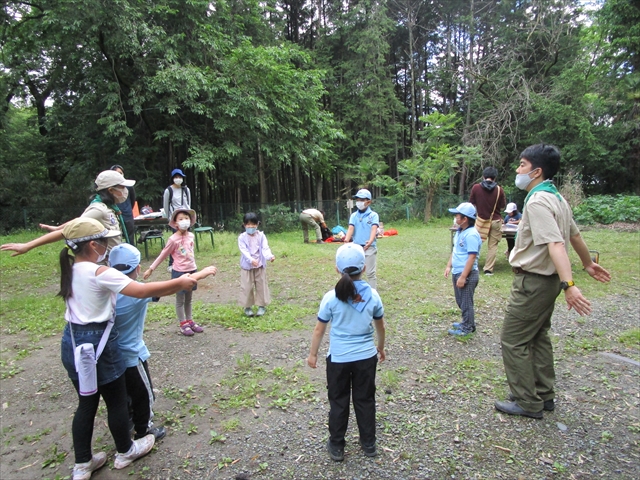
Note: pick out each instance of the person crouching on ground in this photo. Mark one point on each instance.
(89, 291)
(512, 217)
(463, 264)
(315, 219)
(254, 255)
(181, 247)
(354, 310)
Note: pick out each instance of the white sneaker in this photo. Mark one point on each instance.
(82, 471)
(138, 449)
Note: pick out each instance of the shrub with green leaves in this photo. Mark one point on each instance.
(608, 209)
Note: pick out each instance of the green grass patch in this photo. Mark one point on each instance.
(631, 338)
(250, 382)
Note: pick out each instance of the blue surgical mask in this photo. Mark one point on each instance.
(251, 230)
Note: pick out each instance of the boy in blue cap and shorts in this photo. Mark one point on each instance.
(363, 227)
(463, 264)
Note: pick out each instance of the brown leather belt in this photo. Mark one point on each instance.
(519, 271)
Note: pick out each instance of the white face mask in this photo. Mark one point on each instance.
(124, 194)
(177, 180)
(523, 180)
(360, 205)
(184, 224)
(102, 256)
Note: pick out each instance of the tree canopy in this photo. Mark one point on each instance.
(302, 100)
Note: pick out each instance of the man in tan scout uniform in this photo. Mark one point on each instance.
(312, 218)
(542, 270)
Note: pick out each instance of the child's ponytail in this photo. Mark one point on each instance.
(66, 267)
(66, 273)
(345, 288)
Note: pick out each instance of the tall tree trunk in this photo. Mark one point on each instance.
(319, 199)
(470, 89)
(262, 176)
(298, 186)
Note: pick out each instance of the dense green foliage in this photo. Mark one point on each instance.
(294, 100)
(608, 209)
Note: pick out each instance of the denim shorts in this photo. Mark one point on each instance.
(175, 274)
(110, 364)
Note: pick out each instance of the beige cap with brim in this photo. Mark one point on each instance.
(83, 229)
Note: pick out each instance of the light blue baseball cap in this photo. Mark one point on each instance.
(467, 209)
(124, 257)
(350, 255)
(363, 193)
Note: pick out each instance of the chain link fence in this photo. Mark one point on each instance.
(228, 217)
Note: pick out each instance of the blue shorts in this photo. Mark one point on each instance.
(175, 274)
(111, 364)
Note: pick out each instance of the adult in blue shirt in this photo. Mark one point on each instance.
(463, 264)
(363, 227)
(512, 217)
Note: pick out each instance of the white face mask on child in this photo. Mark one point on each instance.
(360, 205)
(177, 180)
(184, 224)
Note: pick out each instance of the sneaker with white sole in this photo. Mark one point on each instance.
(139, 448)
(82, 471)
(248, 312)
(261, 311)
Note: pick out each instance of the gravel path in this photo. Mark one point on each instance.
(435, 407)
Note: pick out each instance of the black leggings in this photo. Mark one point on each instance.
(115, 396)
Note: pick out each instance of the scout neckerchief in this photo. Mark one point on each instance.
(546, 186)
(118, 214)
(363, 296)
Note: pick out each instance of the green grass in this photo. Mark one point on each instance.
(631, 338)
(410, 279)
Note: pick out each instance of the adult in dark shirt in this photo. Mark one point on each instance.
(127, 208)
(489, 199)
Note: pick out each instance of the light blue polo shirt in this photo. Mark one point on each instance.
(465, 242)
(362, 223)
(351, 336)
(130, 315)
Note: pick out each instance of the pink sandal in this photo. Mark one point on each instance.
(185, 328)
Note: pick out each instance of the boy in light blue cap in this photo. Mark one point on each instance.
(363, 228)
(463, 264)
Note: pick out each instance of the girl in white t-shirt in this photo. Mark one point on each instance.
(90, 291)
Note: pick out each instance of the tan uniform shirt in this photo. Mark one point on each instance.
(100, 212)
(546, 219)
(315, 214)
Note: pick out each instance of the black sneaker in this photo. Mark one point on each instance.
(336, 453)
(369, 451)
(158, 432)
(488, 273)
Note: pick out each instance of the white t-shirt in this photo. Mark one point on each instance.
(94, 296)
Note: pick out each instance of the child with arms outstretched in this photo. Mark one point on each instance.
(181, 247)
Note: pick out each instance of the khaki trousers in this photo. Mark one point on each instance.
(256, 277)
(527, 353)
(307, 221)
(495, 235)
(370, 256)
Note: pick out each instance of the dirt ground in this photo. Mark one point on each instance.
(437, 421)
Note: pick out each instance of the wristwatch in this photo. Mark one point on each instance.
(564, 285)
